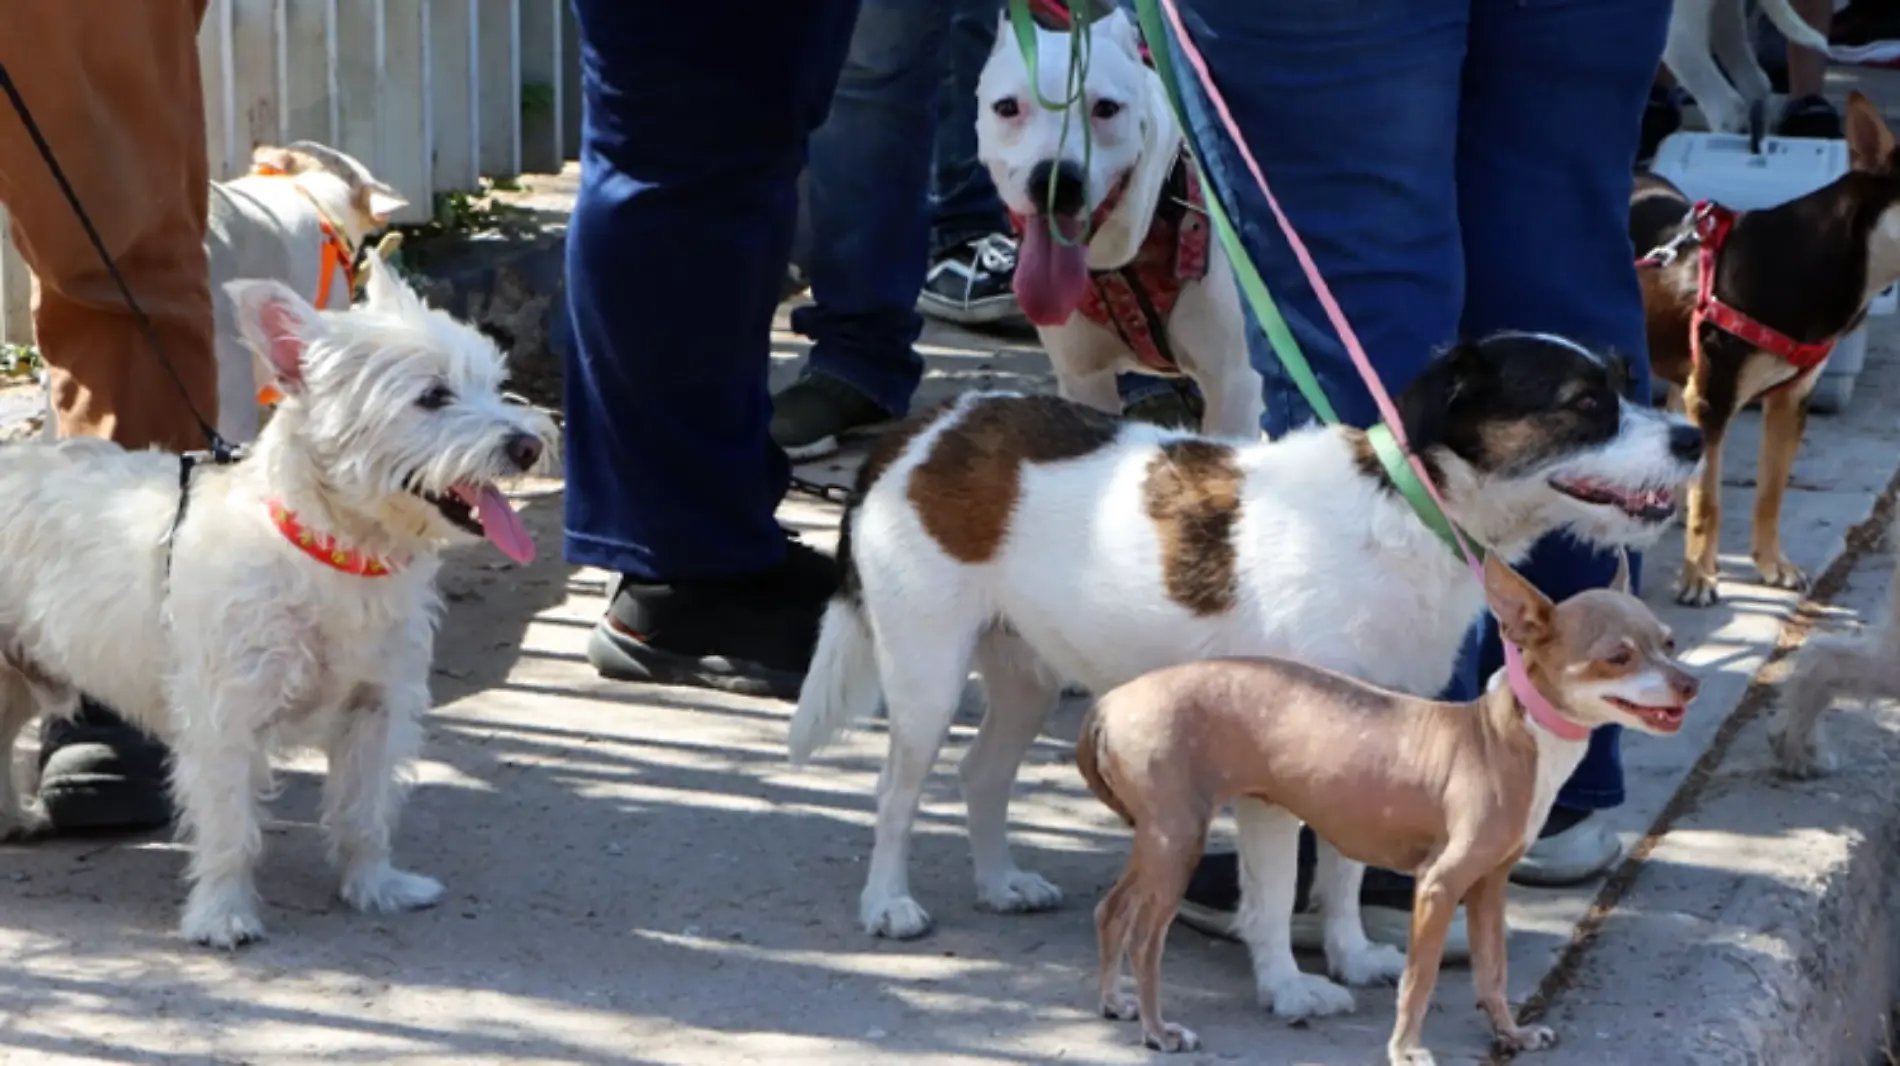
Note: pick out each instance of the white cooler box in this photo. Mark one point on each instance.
(1720, 167)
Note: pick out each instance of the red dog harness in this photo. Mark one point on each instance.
(1711, 224)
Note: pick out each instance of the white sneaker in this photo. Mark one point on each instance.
(1384, 925)
(1571, 857)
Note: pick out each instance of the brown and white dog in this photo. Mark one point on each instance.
(298, 217)
(1146, 287)
(1452, 791)
(1048, 542)
(1748, 306)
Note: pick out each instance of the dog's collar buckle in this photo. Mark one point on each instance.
(326, 549)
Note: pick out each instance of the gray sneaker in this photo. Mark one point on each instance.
(811, 415)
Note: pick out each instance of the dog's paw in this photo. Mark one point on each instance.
(1018, 892)
(227, 928)
(30, 823)
(1778, 573)
(1525, 1038)
(899, 918)
(387, 890)
(1121, 1007)
(1414, 1056)
(1305, 995)
(1371, 965)
(1803, 759)
(1694, 588)
(1170, 1038)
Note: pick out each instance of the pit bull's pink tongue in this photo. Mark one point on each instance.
(1051, 275)
(499, 521)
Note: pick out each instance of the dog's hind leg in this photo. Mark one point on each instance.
(924, 676)
(377, 733)
(1733, 46)
(1020, 692)
(1268, 839)
(1349, 955)
(1830, 668)
(1784, 415)
(1687, 55)
(20, 703)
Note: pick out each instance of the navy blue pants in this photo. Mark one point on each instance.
(694, 123)
(1455, 167)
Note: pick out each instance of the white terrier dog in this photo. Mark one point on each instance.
(288, 598)
(1146, 287)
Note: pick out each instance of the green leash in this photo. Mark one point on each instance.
(1397, 466)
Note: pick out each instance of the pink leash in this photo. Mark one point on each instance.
(1535, 705)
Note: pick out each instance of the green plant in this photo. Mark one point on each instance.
(19, 360)
(537, 100)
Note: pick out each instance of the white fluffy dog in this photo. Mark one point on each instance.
(1147, 287)
(288, 598)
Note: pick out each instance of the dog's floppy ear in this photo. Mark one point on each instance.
(1523, 612)
(278, 324)
(1425, 405)
(1126, 227)
(1120, 29)
(1870, 143)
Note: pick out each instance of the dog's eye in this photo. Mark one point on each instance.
(1620, 657)
(1006, 107)
(1586, 403)
(1107, 109)
(436, 398)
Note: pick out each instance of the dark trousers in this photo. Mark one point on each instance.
(694, 123)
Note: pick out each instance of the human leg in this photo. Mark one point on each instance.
(1808, 113)
(675, 256)
(123, 113)
(1548, 133)
(1376, 205)
(869, 174)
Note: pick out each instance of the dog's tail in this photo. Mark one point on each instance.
(842, 685)
(1792, 26)
(1088, 759)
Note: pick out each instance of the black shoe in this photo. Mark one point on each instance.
(970, 283)
(1181, 407)
(813, 414)
(751, 635)
(1810, 116)
(100, 774)
(1212, 904)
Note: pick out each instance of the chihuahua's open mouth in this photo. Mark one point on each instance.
(1645, 505)
(482, 511)
(1661, 719)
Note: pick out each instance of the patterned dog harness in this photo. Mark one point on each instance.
(1136, 300)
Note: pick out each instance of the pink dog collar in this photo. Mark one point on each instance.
(1536, 707)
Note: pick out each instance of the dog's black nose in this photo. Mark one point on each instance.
(1685, 443)
(1071, 195)
(524, 450)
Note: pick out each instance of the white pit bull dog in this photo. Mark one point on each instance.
(1144, 286)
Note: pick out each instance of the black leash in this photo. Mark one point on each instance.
(220, 451)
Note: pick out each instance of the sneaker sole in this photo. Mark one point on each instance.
(987, 313)
(1384, 925)
(618, 659)
(829, 445)
(94, 803)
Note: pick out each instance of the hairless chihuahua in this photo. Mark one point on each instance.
(1452, 791)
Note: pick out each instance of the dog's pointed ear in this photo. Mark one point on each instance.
(1005, 32)
(1870, 142)
(1621, 582)
(385, 290)
(1121, 29)
(278, 324)
(1424, 405)
(384, 202)
(1522, 611)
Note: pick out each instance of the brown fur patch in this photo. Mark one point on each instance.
(966, 490)
(1193, 498)
(1366, 458)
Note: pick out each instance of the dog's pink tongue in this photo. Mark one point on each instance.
(500, 523)
(1051, 275)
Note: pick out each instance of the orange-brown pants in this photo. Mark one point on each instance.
(115, 88)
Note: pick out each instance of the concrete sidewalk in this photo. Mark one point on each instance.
(637, 876)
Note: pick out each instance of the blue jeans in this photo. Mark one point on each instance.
(1455, 167)
(675, 255)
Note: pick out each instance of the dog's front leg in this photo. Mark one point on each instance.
(1435, 903)
(1696, 585)
(378, 731)
(1268, 839)
(1484, 906)
(1349, 955)
(1784, 415)
(215, 778)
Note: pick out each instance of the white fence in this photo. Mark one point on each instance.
(430, 94)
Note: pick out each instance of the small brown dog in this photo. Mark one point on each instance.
(1452, 791)
(1777, 288)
